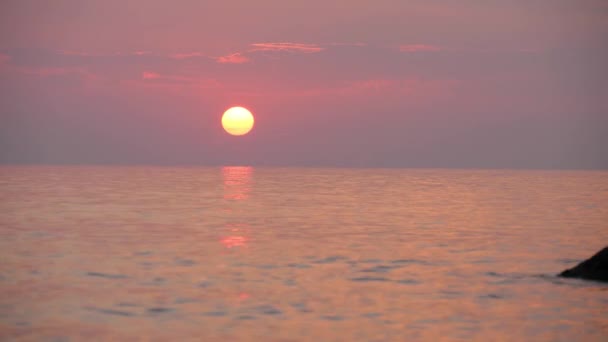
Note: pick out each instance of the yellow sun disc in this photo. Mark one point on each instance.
(237, 121)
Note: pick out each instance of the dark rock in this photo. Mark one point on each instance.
(594, 268)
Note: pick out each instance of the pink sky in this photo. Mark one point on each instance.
(516, 84)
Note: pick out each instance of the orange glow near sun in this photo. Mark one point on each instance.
(237, 121)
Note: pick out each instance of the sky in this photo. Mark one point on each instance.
(383, 83)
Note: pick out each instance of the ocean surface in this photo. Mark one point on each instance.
(299, 254)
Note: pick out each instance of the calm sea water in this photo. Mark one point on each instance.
(269, 254)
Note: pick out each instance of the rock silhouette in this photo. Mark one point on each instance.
(594, 268)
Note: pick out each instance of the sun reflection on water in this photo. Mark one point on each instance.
(237, 182)
(236, 237)
(237, 186)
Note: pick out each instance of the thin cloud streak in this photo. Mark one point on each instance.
(419, 48)
(286, 46)
(186, 55)
(149, 75)
(235, 58)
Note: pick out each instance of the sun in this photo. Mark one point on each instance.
(237, 121)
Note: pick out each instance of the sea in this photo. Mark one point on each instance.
(239, 253)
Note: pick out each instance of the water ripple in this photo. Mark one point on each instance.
(106, 275)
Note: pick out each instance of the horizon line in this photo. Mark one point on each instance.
(290, 166)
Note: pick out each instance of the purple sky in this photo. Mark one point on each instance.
(471, 83)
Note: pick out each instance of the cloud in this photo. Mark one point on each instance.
(44, 72)
(50, 77)
(155, 79)
(419, 48)
(186, 55)
(342, 68)
(29, 65)
(149, 75)
(115, 54)
(73, 53)
(289, 47)
(240, 57)
(235, 58)
(347, 44)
